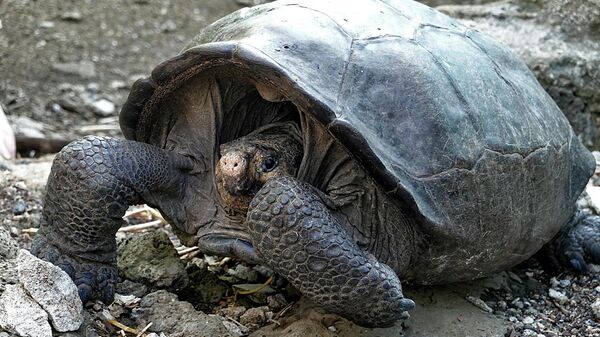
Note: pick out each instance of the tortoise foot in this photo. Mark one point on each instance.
(93, 279)
(578, 243)
(296, 235)
(92, 182)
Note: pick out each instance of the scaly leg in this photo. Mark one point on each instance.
(92, 182)
(296, 235)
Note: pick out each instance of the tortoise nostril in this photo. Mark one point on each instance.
(235, 165)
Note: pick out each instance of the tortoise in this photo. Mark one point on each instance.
(347, 146)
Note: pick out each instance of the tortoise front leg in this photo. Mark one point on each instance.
(91, 185)
(296, 235)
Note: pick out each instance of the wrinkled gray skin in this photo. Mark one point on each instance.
(429, 154)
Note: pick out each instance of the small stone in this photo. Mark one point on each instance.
(72, 16)
(232, 312)
(103, 107)
(557, 295)
(517, 304)
(20, 207)
(46, 24)
(20, 314)
(243, 272)
(129, 287)
(168, 26)
(254, 318)
(93, 87)
(118, 84)
(528, 320)
(276, 301)
(596, 309)
(53, 289)
(565, 283)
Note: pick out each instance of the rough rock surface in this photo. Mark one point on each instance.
(151, 259)
(8, 253)
(174, 317)
(20, 314)
(52, 288)
(560, 42)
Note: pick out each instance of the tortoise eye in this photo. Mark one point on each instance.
(269, 164)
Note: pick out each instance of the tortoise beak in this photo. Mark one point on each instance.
(226, 245)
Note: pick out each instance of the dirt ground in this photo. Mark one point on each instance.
(59, 57)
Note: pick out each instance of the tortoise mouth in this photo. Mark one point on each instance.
(237, 245)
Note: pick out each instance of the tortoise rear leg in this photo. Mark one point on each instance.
(577, 244)
(296, 235)
(90, 186)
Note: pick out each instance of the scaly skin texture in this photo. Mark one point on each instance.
(295, 234)
(92, 182)
(576, 245)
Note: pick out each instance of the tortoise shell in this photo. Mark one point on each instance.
(449, 123)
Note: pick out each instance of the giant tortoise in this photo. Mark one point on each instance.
(347, 145)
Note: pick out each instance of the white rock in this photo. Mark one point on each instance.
(596, 308)
(528, 320)
(52, 288)
(594, 197)
(557, 295)
(104, 107)
(20, 314)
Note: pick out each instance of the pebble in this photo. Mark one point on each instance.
(557, 295)
(276, 301)
(232, 312)
(72, 16)
(254, 317)
(168, 26)
(565, 283)
(118, 84)
(528, 320)
(46, 24)
(103, 107)
(243, 272)
(20, 207)
(517, 304)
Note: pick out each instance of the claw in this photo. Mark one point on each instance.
(579, 264)
(595, 253)
(108, 293)
(85, 292)
(406, 304)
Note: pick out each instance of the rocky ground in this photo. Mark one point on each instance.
(172, 290)
(66, 68)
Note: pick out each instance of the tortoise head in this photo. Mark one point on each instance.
(247, 163)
